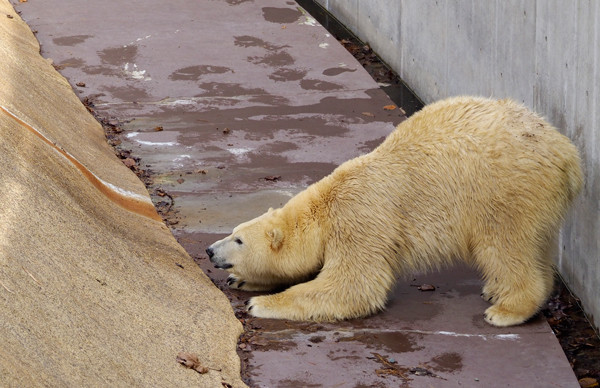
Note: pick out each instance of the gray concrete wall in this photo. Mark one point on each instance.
(544, 53)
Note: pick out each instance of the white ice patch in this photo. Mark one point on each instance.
(157, 143)
(239, 151)
(511, 337)
(150, 143)
(135, 73)
(182, 102)
(324, 45)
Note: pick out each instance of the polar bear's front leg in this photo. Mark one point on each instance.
(326, 298)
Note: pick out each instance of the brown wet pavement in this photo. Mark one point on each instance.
(236, 105)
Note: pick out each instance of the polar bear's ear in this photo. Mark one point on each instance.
(276, 236)
(270, 210)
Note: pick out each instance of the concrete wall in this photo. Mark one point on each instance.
(544, 53)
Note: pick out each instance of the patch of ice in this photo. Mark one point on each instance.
(135, 73)
(239, 151)
(158, 144)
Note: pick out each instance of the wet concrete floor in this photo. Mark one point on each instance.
(236, 105)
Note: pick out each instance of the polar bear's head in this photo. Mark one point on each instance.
(267, 252)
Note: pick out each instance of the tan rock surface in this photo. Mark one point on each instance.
(91, 293)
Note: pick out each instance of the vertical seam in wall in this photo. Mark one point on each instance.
(358, 19)
(574, 74)
(594, 89)
(536, 70)
(494, 52)
(399, 38)
(446, 50)
(535, 60)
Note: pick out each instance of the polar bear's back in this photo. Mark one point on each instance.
(469, 140)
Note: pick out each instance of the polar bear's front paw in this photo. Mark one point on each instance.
(266, 306)
(257, 308)
(498, 316)
(235, 282)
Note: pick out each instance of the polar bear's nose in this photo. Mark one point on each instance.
(210, 252)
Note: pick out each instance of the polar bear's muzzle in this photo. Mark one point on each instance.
(218, 262)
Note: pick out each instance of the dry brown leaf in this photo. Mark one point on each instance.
(390, 107)
(588, 382)
(368, 114)
(190, 360)
(426, 287)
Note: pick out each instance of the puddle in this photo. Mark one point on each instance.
(118, 56)
(447, 362)
(251, 41)
(274, 59)
(281, 15)
(193, 73)
(71, 40)
(333, 71)
(395, 342)
(128, 93)
(284, 74)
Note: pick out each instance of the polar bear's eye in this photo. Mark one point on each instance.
(238, 241)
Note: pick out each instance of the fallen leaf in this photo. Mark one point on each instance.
(180, 180)
(390, 107)
(368, 114)
(80, 84)
(426, 287)
(158, 128)
(226, 131)
(273, 178)
(588, 382)
(190, 360)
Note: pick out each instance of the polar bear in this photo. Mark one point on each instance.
(467, 179)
